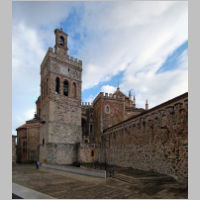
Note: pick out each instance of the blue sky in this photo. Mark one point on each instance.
(140, 46)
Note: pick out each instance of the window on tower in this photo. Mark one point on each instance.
(107, 109)
(66, 88)
(57, 85)
(92, 153)
(74, 89)
(61, 41)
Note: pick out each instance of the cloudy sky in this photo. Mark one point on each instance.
(140, 46)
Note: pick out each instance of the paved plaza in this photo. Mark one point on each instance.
(126, 185)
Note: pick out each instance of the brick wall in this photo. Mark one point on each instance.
(33, 133)
(154, 140)
(14, 156)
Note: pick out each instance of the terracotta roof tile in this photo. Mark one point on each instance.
(24, 126)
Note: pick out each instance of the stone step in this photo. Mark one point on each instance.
(132, 179)
(77, 170)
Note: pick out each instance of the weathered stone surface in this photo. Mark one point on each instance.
(120, 107)
(111, 127)
(137, 184)
(14, 155)
(87, 153)
(155, 140)
(28, 141)
(60, 113)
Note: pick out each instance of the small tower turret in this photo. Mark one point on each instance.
(130, 95)
(134, 101)
(61, 42)
(146, 105)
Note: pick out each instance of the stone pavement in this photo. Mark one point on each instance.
(26, 193)
(64, 185)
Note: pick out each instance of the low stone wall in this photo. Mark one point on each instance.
(78, 170)
(155, 140)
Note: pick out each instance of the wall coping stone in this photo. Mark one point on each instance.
(148, 111)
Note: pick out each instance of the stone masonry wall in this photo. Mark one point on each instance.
(154, 140)
(61, 153)
(103, 119)
(14, 155)
(116, 112)
(21, 145)
(87, 153)
(64, 123)
(60, 132)
(33, 142)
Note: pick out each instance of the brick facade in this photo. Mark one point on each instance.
(110, 109)
(28, 141)
(153, 140)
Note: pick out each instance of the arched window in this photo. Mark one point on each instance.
(57, 85)
(74, 90)
(92, 153)
(61, 40)
(107, 109)
(90, 128)
(66, 88)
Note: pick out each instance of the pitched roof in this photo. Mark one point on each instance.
(118, 92)
(24, 126)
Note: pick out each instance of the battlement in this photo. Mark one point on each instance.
(74, 61)
(70, 60)
(86, 104)
(108, 96)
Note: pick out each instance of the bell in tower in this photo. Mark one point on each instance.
(61, 42)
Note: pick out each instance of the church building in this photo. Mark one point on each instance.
(109, 130)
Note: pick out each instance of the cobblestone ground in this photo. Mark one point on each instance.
(64, 185)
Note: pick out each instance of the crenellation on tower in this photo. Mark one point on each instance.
(60, 103)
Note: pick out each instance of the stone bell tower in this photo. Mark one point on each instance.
(60, 131)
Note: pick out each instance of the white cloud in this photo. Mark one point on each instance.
(27, 54)
(132, 36)
(20, 119)
(30, 113)
(160, 87)
(108, 89)
(135, 37)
